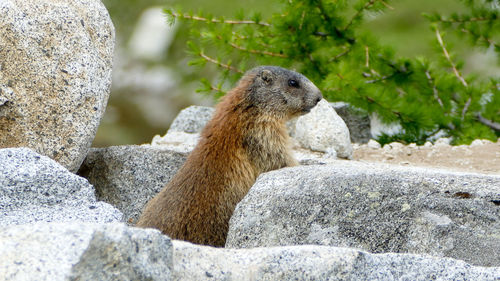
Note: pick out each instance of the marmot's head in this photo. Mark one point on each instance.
(280, 91)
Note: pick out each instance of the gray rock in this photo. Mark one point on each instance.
(76, 251)
(128, 176)
(356, 120)
(373, 144)
(443, 142)
(177, 141)
(192, 262)
(36, 188)
(307, 157)
(375, 207)
(323, 130)
(184, 132)
(55, 75)
(192, 119)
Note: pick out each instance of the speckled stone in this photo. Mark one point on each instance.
(83, 251)
(129, 176)
(323, 130)
(315, 263)
(375, 207)
(183, 134)
(181, 142)
(55, 75)
(357, 120)
(192, 119)
(36, 188)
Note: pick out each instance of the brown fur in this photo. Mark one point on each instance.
(245, 138)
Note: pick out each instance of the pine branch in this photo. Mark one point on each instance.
(463, 20)
(455, 71)
(466, 107)
(434, 89)
(375, 73)
(241, 37)
(258, 52)
(217, 89)
(448, 58)
(326, 17)
(399, 115)
(265, 53)
(209, 87)
(383, 78)
(481, 37)
(302, 19)
(367, 57)
(218, 63)
(433, 133)
(387, 5)
(251, 37)
(324, 14)
(493, 125)
(306, 53)
(197, 18)
(340, 55)
(366, 6)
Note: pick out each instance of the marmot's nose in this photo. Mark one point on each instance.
(318, 99)
(314, 93)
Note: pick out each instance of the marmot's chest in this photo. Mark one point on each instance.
(267, 152)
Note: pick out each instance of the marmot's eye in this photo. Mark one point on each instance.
(293, 83)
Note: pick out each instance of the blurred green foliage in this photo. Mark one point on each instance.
(326, 41)
(398, 24)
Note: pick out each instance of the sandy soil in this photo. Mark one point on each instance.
(480, 157)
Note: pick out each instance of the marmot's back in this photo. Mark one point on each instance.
(246, 136)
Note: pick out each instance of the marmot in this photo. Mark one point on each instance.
(246, 137)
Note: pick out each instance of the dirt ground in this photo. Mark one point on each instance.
(479, 157)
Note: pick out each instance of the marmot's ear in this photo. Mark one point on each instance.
(266, 76)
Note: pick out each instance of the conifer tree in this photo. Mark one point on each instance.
(322, 40)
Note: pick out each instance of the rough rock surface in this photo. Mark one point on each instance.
(183, 134)
(375, 207)
(356, 120)
(55, 75)
(76, 251)
(36, 188)
(310, 262)
(181, 142)
(192, 119)
(323, 130)
(128, 176)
